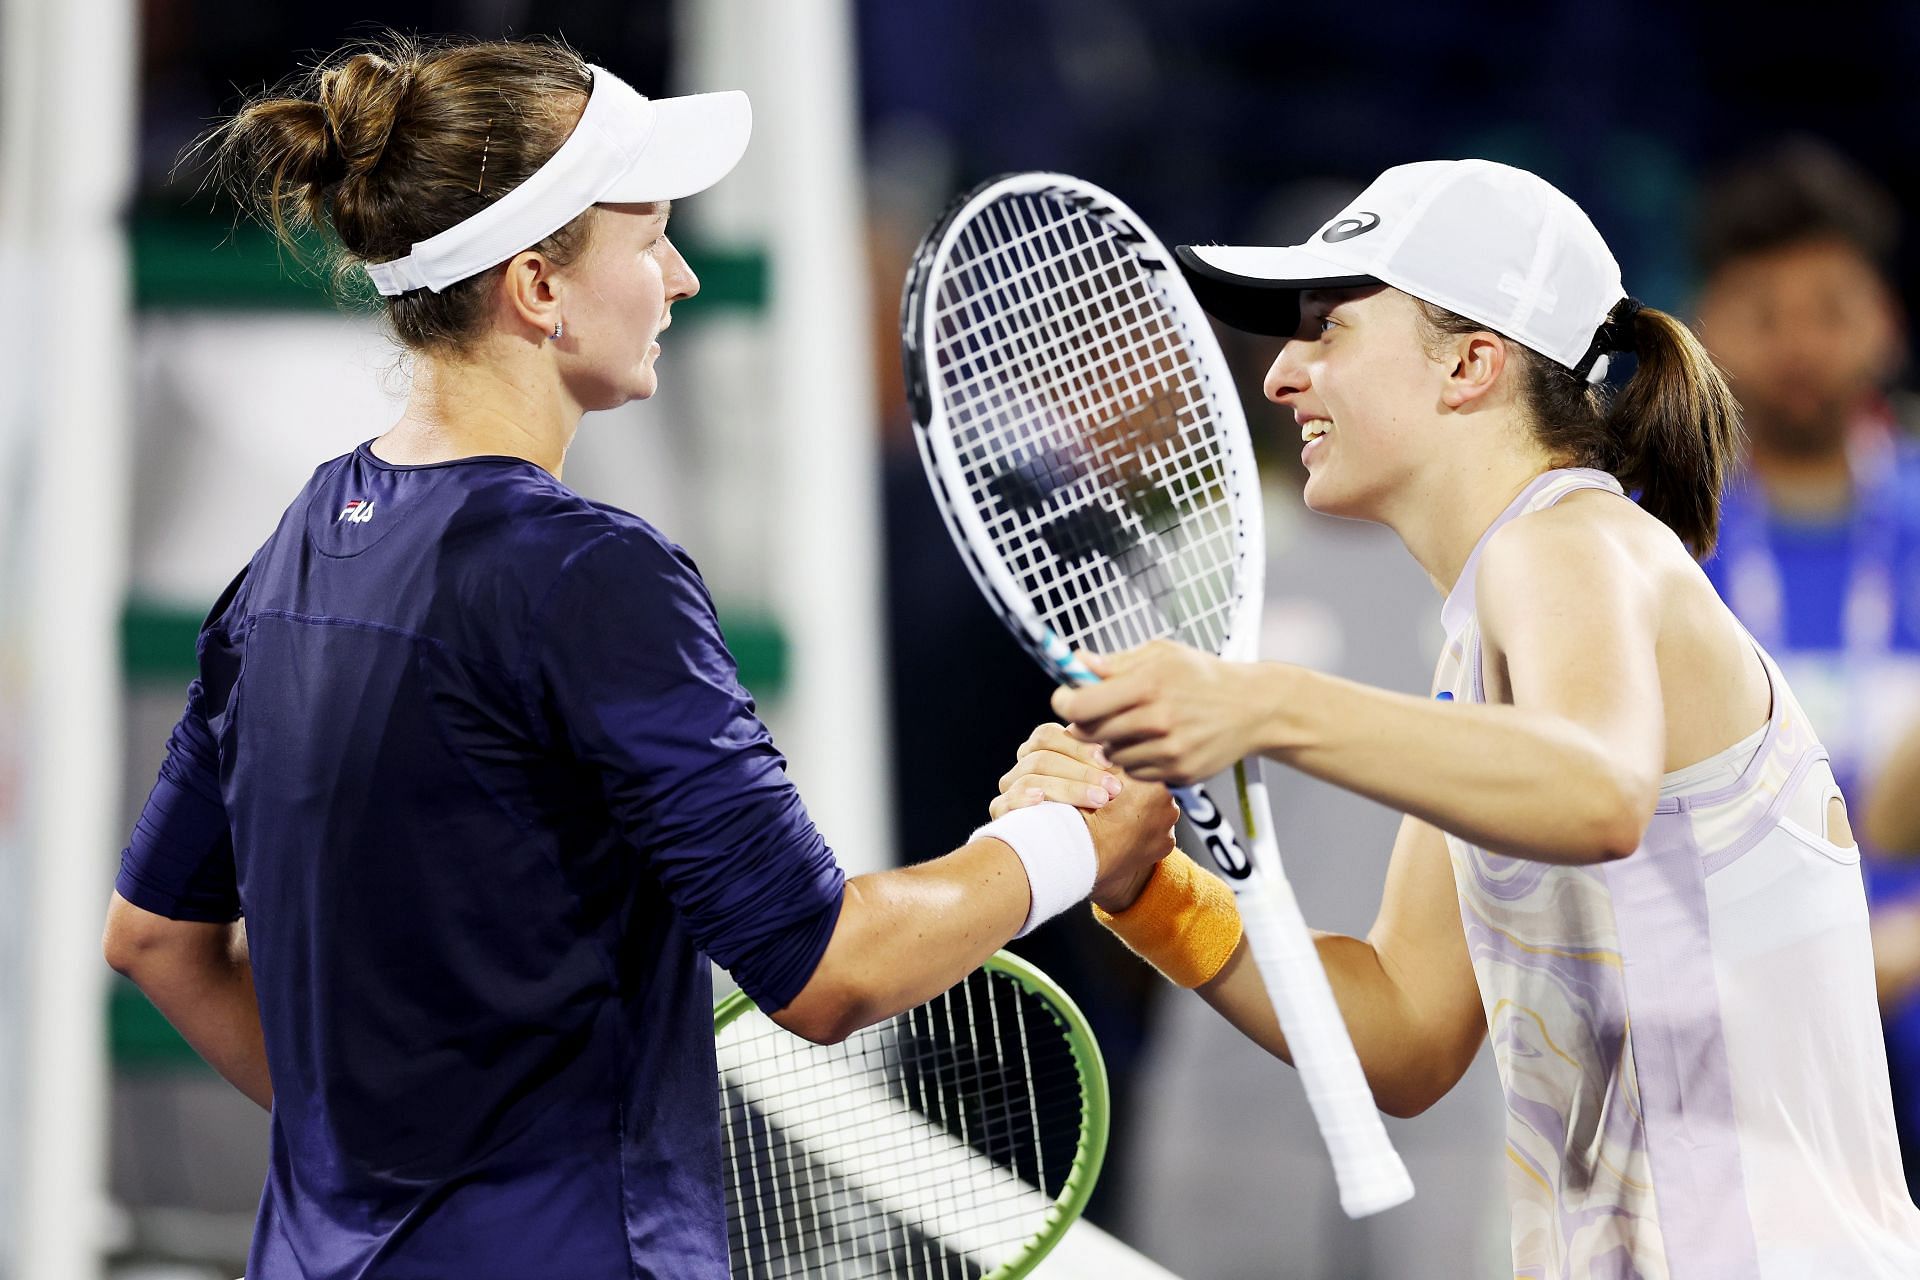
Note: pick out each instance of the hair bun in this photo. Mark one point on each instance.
(479, 118)
(361, 98)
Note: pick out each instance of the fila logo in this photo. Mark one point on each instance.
(1348, 228)
(359, 511)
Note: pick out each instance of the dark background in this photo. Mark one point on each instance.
(1203, 114)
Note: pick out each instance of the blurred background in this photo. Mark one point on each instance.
(168, 380)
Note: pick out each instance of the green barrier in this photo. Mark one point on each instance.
(157, 644)
(140, 1039)
(185, 260)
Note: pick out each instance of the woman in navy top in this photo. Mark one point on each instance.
(468, 753)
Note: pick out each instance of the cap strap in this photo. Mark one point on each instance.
(1618, 333)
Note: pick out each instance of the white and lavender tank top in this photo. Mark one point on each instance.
(1688, 1038)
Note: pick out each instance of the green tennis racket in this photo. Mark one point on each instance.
(957, 1140)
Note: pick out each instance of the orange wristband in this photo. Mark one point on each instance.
(1184, 923)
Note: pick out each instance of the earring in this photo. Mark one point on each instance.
(558, 326)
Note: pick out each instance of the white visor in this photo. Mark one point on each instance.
(627, 149)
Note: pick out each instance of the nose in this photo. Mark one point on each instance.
(681, 282)
(1288, 376)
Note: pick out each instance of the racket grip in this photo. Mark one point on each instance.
(1368, 1171)
(1067, 666)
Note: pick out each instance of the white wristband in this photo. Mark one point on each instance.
(1056, 849)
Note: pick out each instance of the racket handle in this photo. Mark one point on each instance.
(1067, 667)
(1369, 1172)
(1367, 1169)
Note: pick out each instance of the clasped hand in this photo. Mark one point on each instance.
(1131, 821)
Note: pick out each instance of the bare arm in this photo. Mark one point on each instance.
(1568, 773)
(1406, 991)
(198, 976)
(906, 935)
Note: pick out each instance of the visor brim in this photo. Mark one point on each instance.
(1256, 288)
(696, 141)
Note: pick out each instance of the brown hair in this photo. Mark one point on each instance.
(1797, 191)
(1671, 434)
(388, 142)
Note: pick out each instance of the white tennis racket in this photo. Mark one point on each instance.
(1087, 449)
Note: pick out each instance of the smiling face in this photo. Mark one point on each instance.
(1366, 394)
(616, 300)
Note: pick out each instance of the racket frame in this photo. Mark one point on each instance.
(937, 452)
(1096, 1113)
(1370, 1173)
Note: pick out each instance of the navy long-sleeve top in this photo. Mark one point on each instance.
(469, 754)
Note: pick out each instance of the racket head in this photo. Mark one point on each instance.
(1079, 425)
(803, 1164)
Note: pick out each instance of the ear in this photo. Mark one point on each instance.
(1478, 361)
(530, 293)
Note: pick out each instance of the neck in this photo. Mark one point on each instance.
(1443, 520)
(485, 405)
(1807, 485)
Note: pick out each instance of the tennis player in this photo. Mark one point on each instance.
(468, 753)
(1623, 852)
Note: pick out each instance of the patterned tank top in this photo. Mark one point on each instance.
(1688, 1038)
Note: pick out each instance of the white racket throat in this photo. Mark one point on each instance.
(1088, 452)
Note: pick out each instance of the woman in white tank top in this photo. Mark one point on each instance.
(1624, 855)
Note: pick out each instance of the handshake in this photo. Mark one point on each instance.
(1130, 822)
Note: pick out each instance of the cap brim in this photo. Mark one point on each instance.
(1256, 288)
(696, 141)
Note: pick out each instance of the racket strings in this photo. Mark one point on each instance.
(931, 1145)
(1084, 428)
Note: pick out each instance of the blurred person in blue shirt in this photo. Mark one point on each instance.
(1820, 538)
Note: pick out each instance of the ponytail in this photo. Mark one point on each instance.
(1677, 427)
(1671, 434)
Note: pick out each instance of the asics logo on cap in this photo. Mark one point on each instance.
(1348, 228)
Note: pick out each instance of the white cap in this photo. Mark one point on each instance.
(1498, 245)
(626, 149)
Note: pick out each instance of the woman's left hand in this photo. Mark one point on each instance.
(1166, 712)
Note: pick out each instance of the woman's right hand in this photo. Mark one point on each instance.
(1132, 822)
(1052, 764)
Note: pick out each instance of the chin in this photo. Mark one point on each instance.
(640, 385)
(1325, 495)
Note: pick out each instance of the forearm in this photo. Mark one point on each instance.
(210, 1000)
(906, 935)
(1515, 781)
(1408, 1064)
